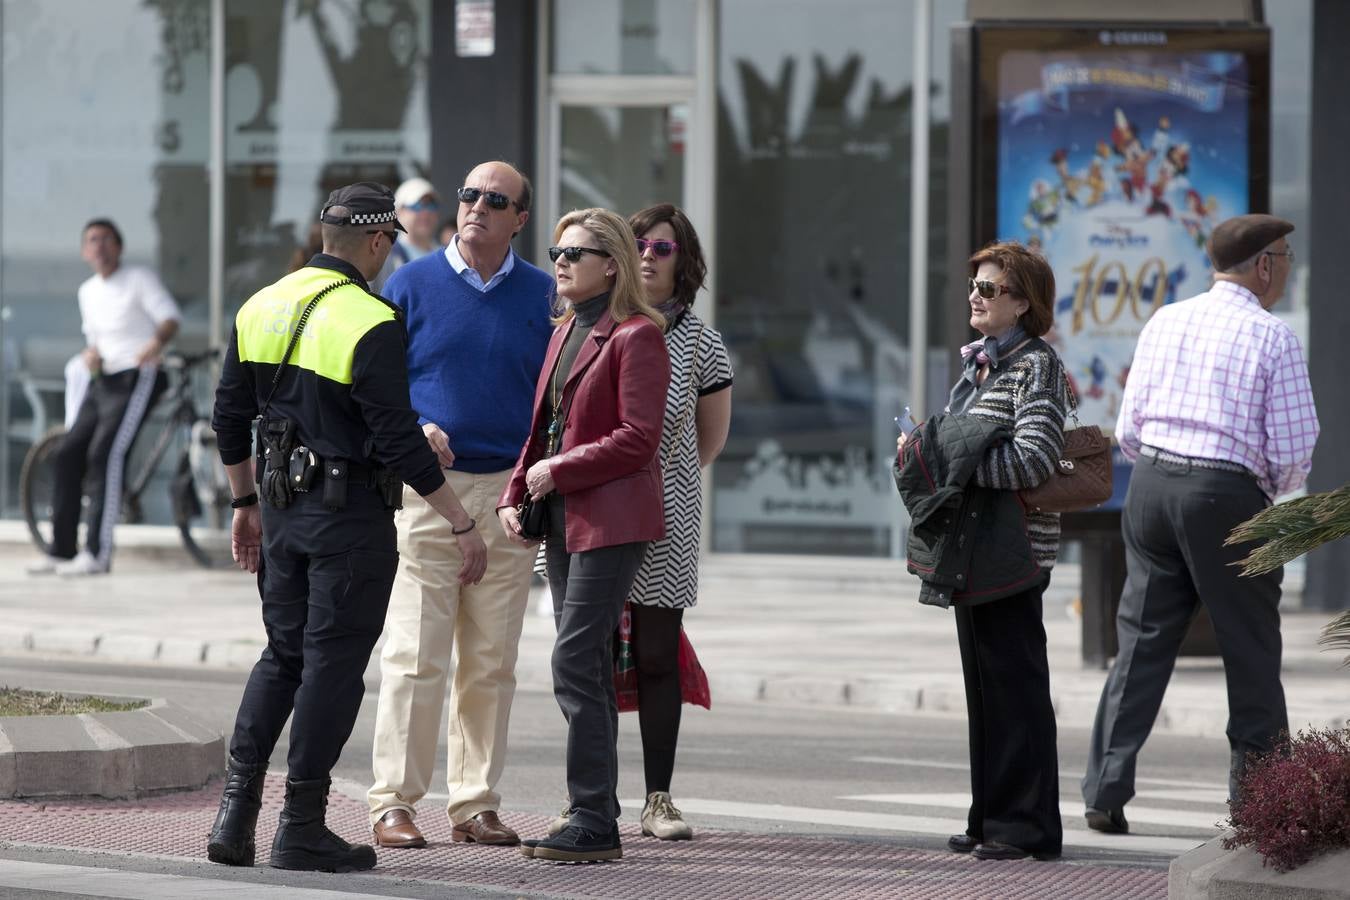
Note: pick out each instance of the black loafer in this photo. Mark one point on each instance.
(1107, 821)
(577, 844)
(997, 850)
(527, 847)
(961, 843)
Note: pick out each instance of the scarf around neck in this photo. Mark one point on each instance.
(986, 351)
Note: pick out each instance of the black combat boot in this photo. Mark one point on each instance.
(304, 842)
(231, 841)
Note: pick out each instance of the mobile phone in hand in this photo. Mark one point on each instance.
(905, 422)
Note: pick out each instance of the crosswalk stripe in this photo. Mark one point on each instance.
(913, 824)
(1179, 818)
(1222, 789)
(92, 881)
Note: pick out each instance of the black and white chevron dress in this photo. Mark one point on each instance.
(669, 573)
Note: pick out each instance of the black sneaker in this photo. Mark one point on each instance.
(576, 844)
(527, 847)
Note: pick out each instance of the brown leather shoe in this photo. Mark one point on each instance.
(396, 829)
(485, 828)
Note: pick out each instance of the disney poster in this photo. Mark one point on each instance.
(1117, 162)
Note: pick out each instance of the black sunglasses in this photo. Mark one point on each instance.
(988, 289)
(661, 248)
(392, 235)
(572, 253)
(494, 199)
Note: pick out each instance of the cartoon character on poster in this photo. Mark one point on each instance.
(1117, 168)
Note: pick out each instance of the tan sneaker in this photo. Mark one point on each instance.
(660, 819)
(561, 821)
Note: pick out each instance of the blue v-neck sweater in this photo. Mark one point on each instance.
(474, 357)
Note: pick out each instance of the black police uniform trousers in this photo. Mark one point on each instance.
(92, 458)
(1175, 522)
(1014, 765)
(325, 582)
(588, 589)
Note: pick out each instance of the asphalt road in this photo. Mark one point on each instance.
(754, 767)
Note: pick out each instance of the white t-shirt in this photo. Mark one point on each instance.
(119, 314)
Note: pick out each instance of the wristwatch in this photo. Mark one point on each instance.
(246, 500)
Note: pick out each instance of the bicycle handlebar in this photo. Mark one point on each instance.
(175, 359)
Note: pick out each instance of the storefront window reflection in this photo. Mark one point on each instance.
(813, 267)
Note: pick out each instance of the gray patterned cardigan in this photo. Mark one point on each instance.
(1027, 395)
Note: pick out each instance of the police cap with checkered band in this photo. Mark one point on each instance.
(366, 203)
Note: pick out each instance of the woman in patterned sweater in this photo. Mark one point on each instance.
(698, 416)
(1012, 378)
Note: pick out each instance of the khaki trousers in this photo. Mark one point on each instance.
(430, 614)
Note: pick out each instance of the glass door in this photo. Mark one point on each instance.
(621, 157)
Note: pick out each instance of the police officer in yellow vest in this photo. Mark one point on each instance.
(320, 363)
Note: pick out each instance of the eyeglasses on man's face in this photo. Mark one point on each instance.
(391, 234)
(988, 290)
(573, 254)
(494, 199)
(1287, 252)
(662, 249)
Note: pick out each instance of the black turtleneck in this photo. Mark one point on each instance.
(586, 314)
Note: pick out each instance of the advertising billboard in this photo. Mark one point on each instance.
(1115, 151)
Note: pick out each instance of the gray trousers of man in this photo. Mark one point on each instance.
(1175, 522)
(588, 589)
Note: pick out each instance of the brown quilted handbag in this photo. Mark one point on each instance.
(1082, 478)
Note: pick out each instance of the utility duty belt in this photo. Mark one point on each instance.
(288, 467)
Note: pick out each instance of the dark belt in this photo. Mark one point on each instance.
(1198, 462)
(357, 475)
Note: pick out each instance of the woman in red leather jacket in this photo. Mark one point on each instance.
(591, 457)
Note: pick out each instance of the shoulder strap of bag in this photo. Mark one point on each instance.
(295, 337)
(693, 395)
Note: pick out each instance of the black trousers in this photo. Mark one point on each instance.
(92, 457)
(1014, 765)
(325, 584)
(588, 592)
(656, 651)
(1175, 522)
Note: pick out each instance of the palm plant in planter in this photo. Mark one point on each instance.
(1295, 802)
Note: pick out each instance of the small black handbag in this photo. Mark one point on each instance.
(534, 518)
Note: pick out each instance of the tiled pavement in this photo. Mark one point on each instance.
(715, 864)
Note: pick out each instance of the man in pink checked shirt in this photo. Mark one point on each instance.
(1218, 415)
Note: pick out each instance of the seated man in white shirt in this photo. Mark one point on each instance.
(127, 317)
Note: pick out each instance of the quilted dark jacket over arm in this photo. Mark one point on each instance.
(967, 544)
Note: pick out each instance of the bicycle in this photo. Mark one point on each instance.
(199, 492)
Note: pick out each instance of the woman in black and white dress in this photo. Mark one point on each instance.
(698, 416)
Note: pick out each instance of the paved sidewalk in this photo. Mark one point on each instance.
(797, 630)
(714, 864)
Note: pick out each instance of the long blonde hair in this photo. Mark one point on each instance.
(627, 296)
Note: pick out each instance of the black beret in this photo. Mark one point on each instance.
(367, 203)
(1242, 237)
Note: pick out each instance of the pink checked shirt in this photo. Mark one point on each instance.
(1218, 377)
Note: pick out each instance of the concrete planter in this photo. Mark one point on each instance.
(1210, 872)
(115, 754)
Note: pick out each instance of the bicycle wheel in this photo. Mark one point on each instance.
(37, 478)
(199, 494)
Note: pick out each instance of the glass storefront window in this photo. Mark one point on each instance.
(107, 119)
(622, 157)
(316, 96)
(623, 37)
(813, 189)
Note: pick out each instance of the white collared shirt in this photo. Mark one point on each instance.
(470, 274)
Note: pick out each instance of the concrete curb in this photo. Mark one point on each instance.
(115, 755)
(1210, 872)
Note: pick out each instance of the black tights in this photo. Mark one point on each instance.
(656, 649)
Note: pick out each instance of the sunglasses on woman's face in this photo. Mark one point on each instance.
(494, 199)
(661, 248)
(572, 253)
(988, 289)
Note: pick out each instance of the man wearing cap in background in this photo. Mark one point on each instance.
(321, 362)
(478, 329)
(419, 216)
(1218, 414)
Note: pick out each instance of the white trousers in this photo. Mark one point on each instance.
(431, 614)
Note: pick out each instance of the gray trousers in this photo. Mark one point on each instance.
(1175, 522)
(588, 589)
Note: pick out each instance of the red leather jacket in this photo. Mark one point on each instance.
(615, 402)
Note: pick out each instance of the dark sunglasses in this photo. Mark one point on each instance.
(661, 248)
(424, 206)
(572, 253)
(392, 235)
(988, 289)
(494, 199)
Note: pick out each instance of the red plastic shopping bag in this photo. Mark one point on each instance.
(693, 680)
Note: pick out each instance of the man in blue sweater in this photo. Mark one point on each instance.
(478, 328)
